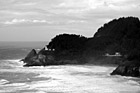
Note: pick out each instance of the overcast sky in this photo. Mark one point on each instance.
(41, 20)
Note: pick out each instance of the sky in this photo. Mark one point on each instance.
(41, 20)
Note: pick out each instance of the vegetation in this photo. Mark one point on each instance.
(68, 46)
(119, 35)
(67, 42)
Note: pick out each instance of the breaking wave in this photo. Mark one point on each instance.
(63, 79)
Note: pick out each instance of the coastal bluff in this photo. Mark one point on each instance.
(121, 36)
(128, 69)
(44, 58)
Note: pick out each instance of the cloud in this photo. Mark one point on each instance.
(26, 4)
(65, 7)
(18, 21)
(43, 22)
(86, 5)
(65, 12)
(39, 21)
(17, 12)
(75, 21)
(14, 21)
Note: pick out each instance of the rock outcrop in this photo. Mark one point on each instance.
(127, 70)
(30, 55)
(45, 58)
(118, 36)
(35, 59)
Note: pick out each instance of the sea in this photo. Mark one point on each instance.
(88, 78)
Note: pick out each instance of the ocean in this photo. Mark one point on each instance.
(14, 78)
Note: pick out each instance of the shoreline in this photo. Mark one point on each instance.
(88, 64)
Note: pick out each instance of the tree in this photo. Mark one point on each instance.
(67, 42)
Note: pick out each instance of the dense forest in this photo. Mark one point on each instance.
(122, 35)
(68, 47)
(118, 36)
(68, 42)
(115, 43)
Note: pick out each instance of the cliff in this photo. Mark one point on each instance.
(120, 36)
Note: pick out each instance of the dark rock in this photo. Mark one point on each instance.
(33, 59)
(30, 55)
(42, 58)
(42, 51)
(120, 35)
(120, 70)
(127, 70)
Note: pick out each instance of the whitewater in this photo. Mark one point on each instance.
(14, 78)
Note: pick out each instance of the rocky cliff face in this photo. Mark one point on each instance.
(127, 70)
(118, 36)
(44, 58)
(34, 59)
